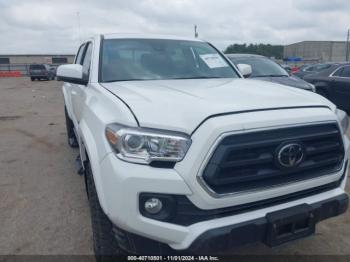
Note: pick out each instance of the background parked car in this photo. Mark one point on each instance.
(288, 68)
(41, 71)
(53, 69)
(301, 69)
(334, 84)
(268, 70)
(311, 69)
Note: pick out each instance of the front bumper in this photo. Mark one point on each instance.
(221, 239)
(122, 204)
(121, 183)
(257, 230)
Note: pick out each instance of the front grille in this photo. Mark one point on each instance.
(249, 161)
(188, 214)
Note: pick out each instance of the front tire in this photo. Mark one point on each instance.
(104, 241)
(109, 240)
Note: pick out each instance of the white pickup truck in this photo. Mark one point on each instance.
(182, 154)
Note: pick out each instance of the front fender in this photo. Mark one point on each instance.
(89, 147)
(66, 97)
(100, 108)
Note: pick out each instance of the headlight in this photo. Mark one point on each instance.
(343, 119)
(143, 145)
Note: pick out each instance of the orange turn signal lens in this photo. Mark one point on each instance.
(112, 138)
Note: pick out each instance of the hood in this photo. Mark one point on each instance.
(181, 105)
(288, 81)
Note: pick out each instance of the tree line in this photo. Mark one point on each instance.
(259, 49)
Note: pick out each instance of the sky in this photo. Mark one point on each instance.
(47, 26)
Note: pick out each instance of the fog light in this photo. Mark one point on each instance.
(161, 207)
(153, 206)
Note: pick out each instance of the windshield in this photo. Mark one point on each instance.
(322, 67)
(34, 67)
(261, 66)
(155, 59)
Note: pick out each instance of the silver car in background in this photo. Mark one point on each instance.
(266, 69)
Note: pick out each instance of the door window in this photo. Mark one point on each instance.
(78, 58)
(346, 72)
(338, 72)
(87, 61)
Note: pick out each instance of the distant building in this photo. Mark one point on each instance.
(36, 59)
(20, 63)
(316, 51)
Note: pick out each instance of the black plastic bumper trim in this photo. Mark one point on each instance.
(223, 238)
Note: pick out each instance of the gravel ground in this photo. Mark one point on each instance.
(43, 207)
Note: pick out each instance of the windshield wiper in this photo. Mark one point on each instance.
(124, 80)
(146, 79)
(271, 75)
(196, 77)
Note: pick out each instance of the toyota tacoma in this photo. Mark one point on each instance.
(181, 154)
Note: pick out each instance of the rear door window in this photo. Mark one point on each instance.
(346, 72)
(338, 72)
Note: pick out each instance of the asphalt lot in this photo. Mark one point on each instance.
(43, 205)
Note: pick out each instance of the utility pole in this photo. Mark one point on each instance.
(195, 31)
(78, 16)
(347, 46)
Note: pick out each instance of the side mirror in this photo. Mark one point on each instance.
(72, 73)
(246, 70)
(289, 71)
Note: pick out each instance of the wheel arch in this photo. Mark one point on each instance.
(88, 152)
(66, 101)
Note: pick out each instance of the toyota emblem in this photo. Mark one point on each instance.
(290, 155)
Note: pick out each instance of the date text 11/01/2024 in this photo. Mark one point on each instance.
(173, 258)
